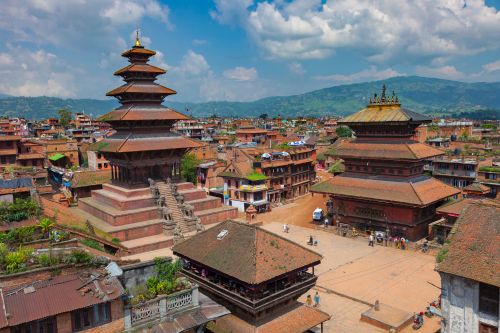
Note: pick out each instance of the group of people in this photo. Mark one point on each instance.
(399, 242)
(286, 228)
(316, 300)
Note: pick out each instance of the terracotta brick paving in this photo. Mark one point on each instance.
(351, 267)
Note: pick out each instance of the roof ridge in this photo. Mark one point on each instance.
(411, 150)
(416, 193)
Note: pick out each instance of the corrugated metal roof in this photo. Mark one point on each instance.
(61, 294)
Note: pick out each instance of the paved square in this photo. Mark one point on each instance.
(352, 268)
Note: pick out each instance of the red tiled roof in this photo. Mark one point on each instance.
(150, 88)
(421, 192)
(138, 50)
(141, 68)
(138, 113)
(474, 250)
(54, 296)
(297, 320)
(247, 253)
(251, 131)
(10, 138)
(30, 156)
(454, 208)
(148, 144)
(389, 150)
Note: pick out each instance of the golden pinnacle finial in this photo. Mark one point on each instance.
(137, 41)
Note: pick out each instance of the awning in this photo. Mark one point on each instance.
(56, 157)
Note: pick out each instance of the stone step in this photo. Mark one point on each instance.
(193, 194)
(128, 231)
(122, 202)
(127, 192)
(114, 216)
(151, 243)
(206, 203)
(216, 215)
(185, 186)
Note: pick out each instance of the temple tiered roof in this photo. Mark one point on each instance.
(406, 150)
(142, 124)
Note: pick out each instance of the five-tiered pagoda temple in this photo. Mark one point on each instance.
(143, 146)
(384, 186)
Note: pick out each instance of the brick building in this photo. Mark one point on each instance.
(383, 186)
(469, 267)
(456, 171)
(262, 296)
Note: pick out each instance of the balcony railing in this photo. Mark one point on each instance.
(268, 298)
(160, 308)
(454, 172)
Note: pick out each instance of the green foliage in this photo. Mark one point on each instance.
(189, 164)
(19, 210)
(337, 167)
(321, 157)
(489, 126)
(343, 132)
(21, 234)
(64, 117)
(263, 116)
(93, 244)
(116, 240)
(4, 250)
(45, 224)
(77, 257)
(255, 176)
(489, 168)
(17, 260)
(425, 95)
(46, 260)
(442, 254)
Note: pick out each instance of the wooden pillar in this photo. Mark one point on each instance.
(112, 173)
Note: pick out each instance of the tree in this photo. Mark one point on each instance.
(343, 132)
(64, 117)
(189, 164)
(263, 116)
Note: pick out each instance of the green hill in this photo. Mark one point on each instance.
(425, 95)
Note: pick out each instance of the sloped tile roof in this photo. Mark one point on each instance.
(146, 88)
(386, 150)
(419, 191)
(124, 145)
(247, 253)
(298, 320)
(142, 113)
(141, 68)
(383, 114)
(474, 249)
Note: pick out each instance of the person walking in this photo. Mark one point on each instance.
(309, 300)
(326, 222)
(370, 240)
(403, 243)
(316, 300)
(386, 238)
(284, 227)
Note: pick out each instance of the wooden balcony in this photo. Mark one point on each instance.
(241, 299)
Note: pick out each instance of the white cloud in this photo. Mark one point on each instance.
(230, 11)
(444, 72)
(193, 64)
(296, 68)
(383, 30)
(241, 74)
(491, 67)
(75, 23)
(36, 73)
(369, 74)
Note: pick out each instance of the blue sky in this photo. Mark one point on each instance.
(244, 49)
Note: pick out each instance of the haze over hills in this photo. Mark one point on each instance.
(425, 95)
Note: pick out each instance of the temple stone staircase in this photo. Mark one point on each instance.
(135, 217)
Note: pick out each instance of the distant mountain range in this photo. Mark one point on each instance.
(426, 95)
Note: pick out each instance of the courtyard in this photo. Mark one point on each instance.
(353, 275)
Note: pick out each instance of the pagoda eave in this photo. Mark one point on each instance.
(126, 145)
(419, 192)
(138, 114)
(386, 151)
